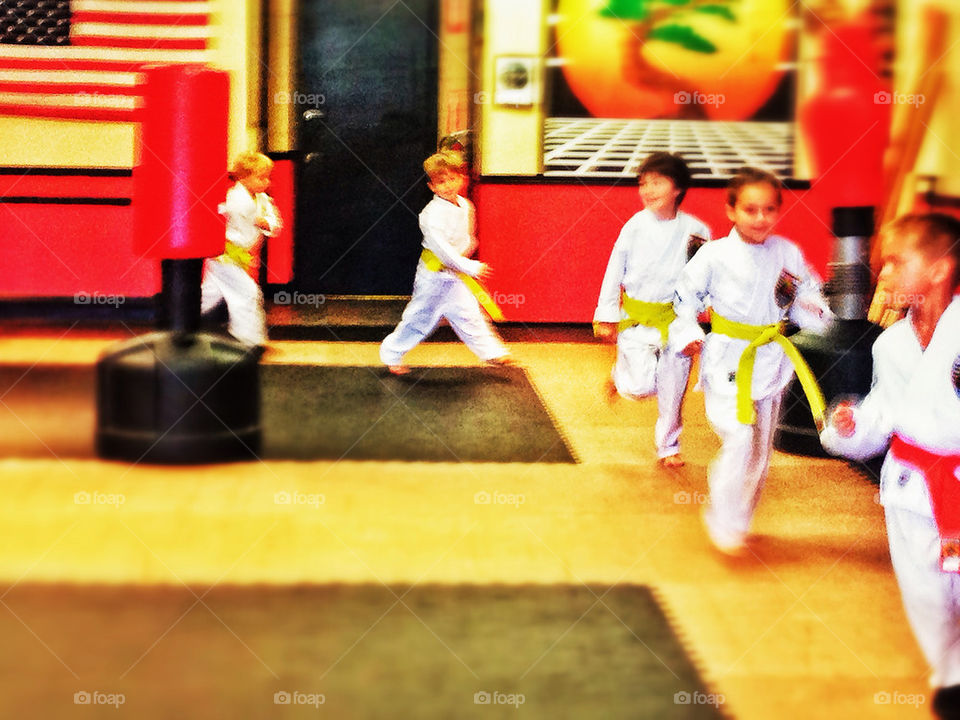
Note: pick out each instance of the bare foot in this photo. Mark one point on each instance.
(610, 393)
(672, 461)
(398, 369)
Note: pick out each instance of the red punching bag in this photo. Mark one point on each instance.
(180, 176)
(847, 123)
(148, 387)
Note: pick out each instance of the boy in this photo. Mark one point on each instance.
(635, 306)
(232, 276)
(913, 408)
(753, 282)
(440, 285)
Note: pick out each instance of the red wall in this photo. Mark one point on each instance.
(548, 244)
(55, 249)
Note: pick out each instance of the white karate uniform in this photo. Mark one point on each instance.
(914, 395)
(738, 280)
(645, 263)
(225, 280)
(448, 233)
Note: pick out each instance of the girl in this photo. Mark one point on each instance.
(753, 281)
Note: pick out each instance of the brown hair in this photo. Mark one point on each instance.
(668, 165)
(752, 176)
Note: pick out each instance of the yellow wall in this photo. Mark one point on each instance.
(281, 64)
(511, 138)
(66, 143)
(457, 77)
(940, 149)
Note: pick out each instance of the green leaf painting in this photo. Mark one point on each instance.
(718, 10)
(626, 9)
(686, 37)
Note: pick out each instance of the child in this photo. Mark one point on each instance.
(232, 276)
(753, 281)
(913, 408)
(439, 287)
(635, 306)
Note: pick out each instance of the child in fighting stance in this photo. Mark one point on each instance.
(753, 281)
(913, 413)
(440, 286)
(635, 308)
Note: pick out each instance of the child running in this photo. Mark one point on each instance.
(913, 413)
(444, 285)
(635, 308)
(752, 281)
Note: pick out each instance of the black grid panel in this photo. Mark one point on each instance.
(591, 147)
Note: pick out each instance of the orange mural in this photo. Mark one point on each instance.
(692, 59)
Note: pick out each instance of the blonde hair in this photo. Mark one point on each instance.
(247, 163)
(443, 162)
(934, 234)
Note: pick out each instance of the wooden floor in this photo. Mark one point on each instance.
(808, 625)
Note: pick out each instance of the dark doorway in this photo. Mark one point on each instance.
(367, 113)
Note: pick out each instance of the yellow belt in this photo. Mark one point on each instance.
(650, 314)
(479, 291)
(758, 335)
(238, 255)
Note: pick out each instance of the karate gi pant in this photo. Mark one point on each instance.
(739, 470)
(643, 369)
(227, 282)
(438, 295)
(931, 597)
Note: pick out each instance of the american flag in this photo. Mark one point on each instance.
(80, 59)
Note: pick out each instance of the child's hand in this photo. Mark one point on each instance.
(485, 272)
(693, 348)
(605, 331)
(842, 419)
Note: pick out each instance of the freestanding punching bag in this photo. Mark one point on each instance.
(179, 395)
(847, 127)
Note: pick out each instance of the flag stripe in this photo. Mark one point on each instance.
(138, 43)
(127, 30)
(68, 77)
(170, 7)
(96, 76)
(141, 19)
